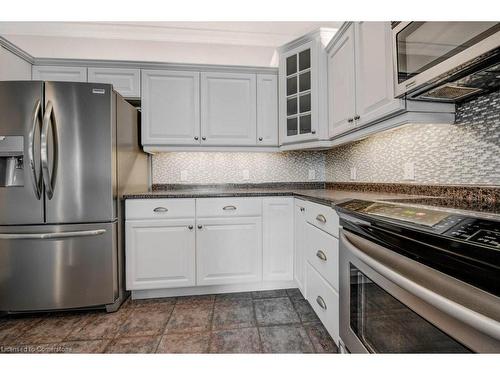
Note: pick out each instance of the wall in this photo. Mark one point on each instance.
(467, 152)
(12, 67)
(226, 167)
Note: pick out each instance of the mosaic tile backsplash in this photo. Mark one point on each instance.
(467, 152)
(228, 167)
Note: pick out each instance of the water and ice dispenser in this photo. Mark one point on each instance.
(11, 161)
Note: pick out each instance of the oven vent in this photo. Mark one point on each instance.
(450, 92)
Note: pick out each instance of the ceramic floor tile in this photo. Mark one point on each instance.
(195, 300)
(305, 311)
(54, 328)
(285, 339)
(144, 344)
(275, 311)
(13, 327)
(294, 294)
(190, 318)
(321, 339)
(233, 314)
(144, 321)
(269, 293)
(244, 340)
(233, 296)
(192, 342)
(99, 325)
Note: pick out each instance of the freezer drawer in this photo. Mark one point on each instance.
(47, 267)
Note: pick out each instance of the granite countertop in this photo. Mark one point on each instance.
(322, 196)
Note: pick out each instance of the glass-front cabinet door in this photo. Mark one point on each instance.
(298, 94)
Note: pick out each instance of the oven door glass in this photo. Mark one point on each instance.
(422, 45)
(385, 325)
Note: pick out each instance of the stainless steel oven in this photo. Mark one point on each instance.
(445, 61)
(390, 303)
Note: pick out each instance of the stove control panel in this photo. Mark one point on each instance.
(484, 232)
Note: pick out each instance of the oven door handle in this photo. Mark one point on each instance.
(394, 267)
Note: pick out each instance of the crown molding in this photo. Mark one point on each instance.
(16, 50)
(323, 35)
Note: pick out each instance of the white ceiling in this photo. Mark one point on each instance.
(264, 34)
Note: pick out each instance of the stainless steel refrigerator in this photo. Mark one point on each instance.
(68, 151)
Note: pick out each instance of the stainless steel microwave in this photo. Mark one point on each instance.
(445, 61)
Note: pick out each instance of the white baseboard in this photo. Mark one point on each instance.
(213, 289)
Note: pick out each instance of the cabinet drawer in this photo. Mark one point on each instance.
(159, 208)
(323, 217)
(227, 207)
(324, 301)
(322, 251)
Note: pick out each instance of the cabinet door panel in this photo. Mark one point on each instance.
(160, 254)
(341, 84)
(374, 72)
(267, 110)
(127, 82)
(278, 238)
(300, 245)
(59, 73)
(170, 107)
(229, 251)
(228, 109)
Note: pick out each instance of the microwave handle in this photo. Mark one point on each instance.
(478, 321)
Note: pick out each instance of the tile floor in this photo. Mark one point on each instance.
(276, 321)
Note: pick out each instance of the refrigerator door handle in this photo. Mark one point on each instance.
(49, 177)
(50, 236)
(36, 175)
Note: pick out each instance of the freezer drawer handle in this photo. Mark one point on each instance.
(229, 208)
(50, 236)
(36, 175)
(160, 209)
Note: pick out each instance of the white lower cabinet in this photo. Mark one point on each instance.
(300, 225)
(324, 301)
(160, 254)
(228, 250)
(278, 238)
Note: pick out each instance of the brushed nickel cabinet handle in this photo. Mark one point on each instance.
(357, 117)
(321, 302)
(160, 209)
(313, 132)
(350, 120)
(321, 255)
(302, 209)
(321, 218)
(229, 208)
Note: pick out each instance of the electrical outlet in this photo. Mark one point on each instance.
(409, 171)
(245, 174)
(354, 173)
(312, 174)
(184, 176)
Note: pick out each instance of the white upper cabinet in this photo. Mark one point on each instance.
(267, 110)
(59, 73)
(12, 67)
(127, 82)
(278, 238)
(228, 109)
(303, 108)
(170, 107)
(374, 72)
(341, 84)
(360, 77)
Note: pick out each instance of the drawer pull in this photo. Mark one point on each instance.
(321, 255)
(302, 209)
(200, 226)
(321, 302)
(160, 209)
(190, 227)
(229, 208)
(321, 218)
